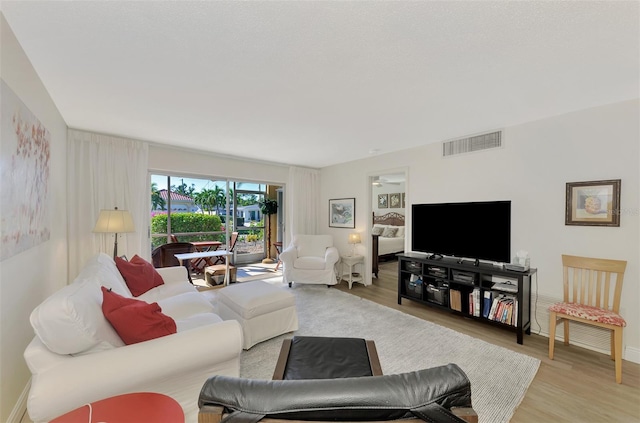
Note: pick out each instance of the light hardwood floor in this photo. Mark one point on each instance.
(577, 386)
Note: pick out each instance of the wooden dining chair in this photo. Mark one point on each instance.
(591, 295)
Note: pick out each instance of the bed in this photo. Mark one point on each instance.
(388, 234)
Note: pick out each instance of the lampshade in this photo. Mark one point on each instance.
(114, 221)
(354, 238)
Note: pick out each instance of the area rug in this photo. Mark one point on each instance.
(499, 377)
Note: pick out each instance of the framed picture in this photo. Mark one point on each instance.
(403, 203)
(342, 213)
(383, 201)
(593, 203)
(395, 201)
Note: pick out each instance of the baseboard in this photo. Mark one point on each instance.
(632, 354)
(21, 405)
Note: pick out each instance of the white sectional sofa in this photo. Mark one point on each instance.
(77, 357)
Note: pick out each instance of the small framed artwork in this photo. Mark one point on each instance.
(342, 213)
(403, 203)
(395, 200)
(383, 201)
(593, 203)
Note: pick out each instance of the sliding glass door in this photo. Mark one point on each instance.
(207, 211)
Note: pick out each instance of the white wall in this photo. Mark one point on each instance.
(538, 159)
(30, 276)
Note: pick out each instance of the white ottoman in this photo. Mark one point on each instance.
(263, 310)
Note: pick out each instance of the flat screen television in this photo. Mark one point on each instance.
(477, 230)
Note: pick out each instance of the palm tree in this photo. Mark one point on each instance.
(205, 199)
(157, 202)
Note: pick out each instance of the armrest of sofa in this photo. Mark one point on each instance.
(331, 256)
(173, 274)
(146, 366)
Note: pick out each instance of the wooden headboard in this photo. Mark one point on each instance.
(392, 218)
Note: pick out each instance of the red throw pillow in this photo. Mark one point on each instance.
(135, 320)
(139, 274)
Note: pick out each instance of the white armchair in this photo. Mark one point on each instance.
(310, 259)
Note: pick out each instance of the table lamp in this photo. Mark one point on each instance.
(354, 238)
(116, 222)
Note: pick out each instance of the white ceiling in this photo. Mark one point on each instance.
(324, 82)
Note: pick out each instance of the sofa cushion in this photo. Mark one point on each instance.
(102, 268)
(184, 305)
(135, 320)
(167, 290)
(139, 275)
(310, 263)
(196, 321)
(71, 321)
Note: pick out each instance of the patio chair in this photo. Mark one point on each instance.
(232, 245)
(164, 255)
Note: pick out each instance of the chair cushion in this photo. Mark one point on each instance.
(135, 320)
(313, 245)
(310, 263)
(594, 314)
(139, 275)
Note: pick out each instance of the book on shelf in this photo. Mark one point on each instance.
(476, 302)
(502, 309)
(455, 299)
(486, 303)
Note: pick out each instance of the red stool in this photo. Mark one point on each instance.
(128, 408)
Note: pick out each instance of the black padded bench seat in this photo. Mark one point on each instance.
(313, 357)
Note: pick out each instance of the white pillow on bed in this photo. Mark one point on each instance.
(377, 230)
(400, 233)
(390, 232)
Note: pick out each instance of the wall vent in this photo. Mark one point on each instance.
(585, 336)
(471, 144)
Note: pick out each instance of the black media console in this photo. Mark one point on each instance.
(484, 292)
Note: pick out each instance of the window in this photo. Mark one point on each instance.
(189, 209)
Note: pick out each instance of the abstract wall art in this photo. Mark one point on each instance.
(25, 153)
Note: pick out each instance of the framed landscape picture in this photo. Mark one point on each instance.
(342, 213)
(593, 203)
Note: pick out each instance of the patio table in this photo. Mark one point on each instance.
(208, 254)
(204, 246)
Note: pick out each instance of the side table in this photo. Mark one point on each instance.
(352, 262)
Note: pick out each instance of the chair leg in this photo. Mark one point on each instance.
(552, 332)
(618, 353)
(566, 332)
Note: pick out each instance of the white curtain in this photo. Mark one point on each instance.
(303, 192)
(104, 172)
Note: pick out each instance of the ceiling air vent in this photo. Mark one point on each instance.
(470, 144)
